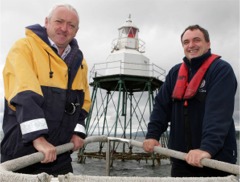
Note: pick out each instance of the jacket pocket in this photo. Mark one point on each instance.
(54, 103)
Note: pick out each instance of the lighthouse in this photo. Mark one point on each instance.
(128, 36)
(127, 52)
(123, 91)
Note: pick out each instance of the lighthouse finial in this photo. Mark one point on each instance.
(129, 18)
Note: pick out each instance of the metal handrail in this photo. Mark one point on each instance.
(24, 161)
(21, 162)
(211, 163)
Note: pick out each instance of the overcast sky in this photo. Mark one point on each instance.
(160, 23)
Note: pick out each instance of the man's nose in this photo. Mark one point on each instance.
(64, 27)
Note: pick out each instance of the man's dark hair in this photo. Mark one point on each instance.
(195, 27)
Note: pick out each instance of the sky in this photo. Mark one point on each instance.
(160, 22)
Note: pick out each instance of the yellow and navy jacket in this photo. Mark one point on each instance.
(38, 87)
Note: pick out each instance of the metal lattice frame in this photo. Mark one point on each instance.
(129, 100)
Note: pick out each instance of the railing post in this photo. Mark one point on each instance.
(108, 157)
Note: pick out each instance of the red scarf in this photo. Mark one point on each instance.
(185, 90)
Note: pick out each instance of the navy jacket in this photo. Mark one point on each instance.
(209, 112)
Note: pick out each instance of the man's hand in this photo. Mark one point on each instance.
(149, 144)
(194, 157)
(77, 142)
(49, 151)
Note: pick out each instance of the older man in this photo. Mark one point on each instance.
(46, 93)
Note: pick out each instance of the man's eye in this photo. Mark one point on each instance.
(197, 40)
(58, 21)
(72, 26)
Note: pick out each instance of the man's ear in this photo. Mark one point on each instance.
(46, 21)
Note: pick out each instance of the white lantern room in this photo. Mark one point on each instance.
(127, 53)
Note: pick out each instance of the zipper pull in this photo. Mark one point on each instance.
(185, 103)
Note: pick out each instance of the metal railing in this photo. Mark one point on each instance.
(22, 162)
(122, 67)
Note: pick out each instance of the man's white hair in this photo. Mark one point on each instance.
(68, 6)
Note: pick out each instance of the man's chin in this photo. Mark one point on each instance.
(192, 56)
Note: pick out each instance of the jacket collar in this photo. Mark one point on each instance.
(198, 61)
(42, 34)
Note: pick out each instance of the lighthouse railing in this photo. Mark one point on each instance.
(126, 68)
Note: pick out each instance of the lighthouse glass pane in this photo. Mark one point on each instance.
(123, 32)
(132, 32)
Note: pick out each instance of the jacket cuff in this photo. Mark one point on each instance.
(81, 135)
